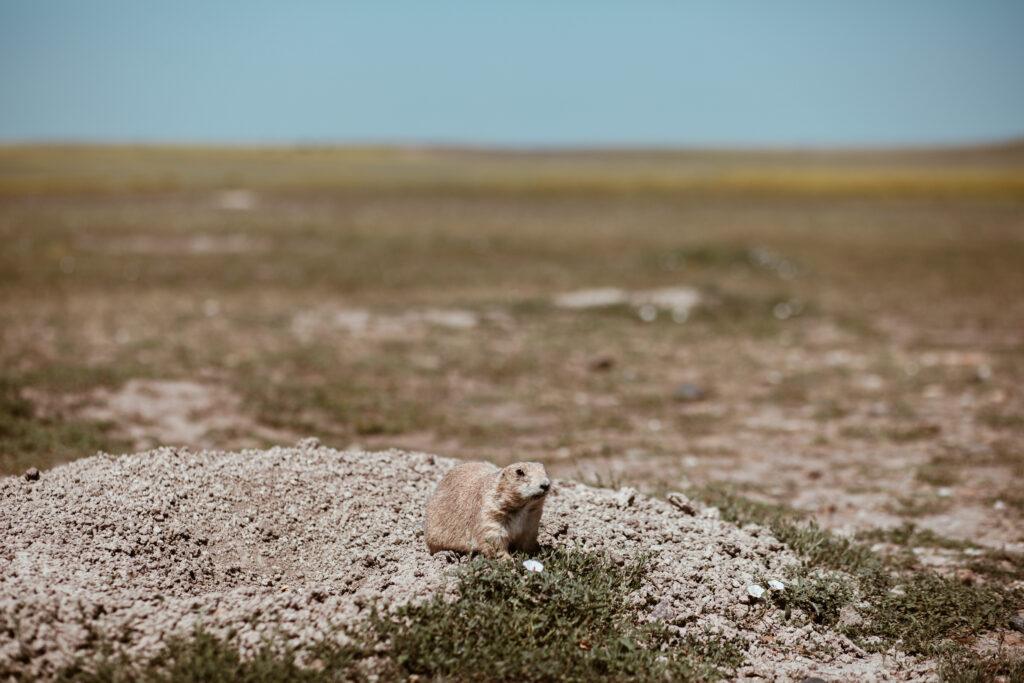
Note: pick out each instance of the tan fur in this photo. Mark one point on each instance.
(480, 508)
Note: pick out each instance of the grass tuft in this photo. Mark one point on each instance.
(29, 439)
(569, 622)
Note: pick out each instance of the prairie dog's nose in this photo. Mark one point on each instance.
(545, 484)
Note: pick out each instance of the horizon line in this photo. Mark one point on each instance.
(516, 148)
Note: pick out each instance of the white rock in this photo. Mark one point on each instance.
(533, 566)
(755, 591)
(776, 585)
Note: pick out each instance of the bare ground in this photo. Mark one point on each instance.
(294, 541)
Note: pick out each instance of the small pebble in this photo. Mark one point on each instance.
(533, 566)
(1017, 623)
(689, 392)
(776, 585)
(31, 474)
(755, 591)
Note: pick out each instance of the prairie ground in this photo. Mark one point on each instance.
(841, 333)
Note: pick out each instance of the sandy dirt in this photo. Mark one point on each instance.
(292, 541)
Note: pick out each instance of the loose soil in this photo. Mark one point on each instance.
(290, 542)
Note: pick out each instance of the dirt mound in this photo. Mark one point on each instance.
(292, 540)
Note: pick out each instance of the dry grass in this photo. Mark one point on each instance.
(859, 311)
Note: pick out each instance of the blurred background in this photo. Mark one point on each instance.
(776, 247)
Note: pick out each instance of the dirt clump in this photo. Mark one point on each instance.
(293, 541)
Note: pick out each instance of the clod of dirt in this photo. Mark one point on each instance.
(31, 474)
(682, 502)
(291, 541)
(601, 363)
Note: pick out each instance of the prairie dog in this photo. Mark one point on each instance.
(480, 508)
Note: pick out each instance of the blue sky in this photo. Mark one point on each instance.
(725, 72)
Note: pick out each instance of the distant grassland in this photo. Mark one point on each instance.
(983, 172)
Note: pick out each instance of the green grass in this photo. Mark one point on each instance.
(570, 622)
(28, 439)
(963, 667)
(927, 614)
(902, 605)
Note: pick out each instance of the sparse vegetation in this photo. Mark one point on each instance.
(901, 604)
(857, 330)
(570, 623)
(28, 439)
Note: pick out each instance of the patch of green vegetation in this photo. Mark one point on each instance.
(28, 439)
(897, 434)
(926, 613)
(701, 255)
(204, 657)
(919, 505)
(938, 474)
(570, 622)
(830, 409)
(1000, 420)
(819, 596)
(820, 547)
(909, 535)
(912, 432)
(962, 666)
(999, 565)
(917, 610)
(316, 392)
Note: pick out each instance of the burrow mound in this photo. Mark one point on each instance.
(290, 541)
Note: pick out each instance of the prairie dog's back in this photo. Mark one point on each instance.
(453, 510)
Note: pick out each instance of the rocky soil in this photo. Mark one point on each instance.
(290, 541)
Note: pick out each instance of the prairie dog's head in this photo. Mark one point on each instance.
(522, 482)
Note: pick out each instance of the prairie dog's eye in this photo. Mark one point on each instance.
(520, 473)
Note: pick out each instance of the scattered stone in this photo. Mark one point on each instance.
(776, 585)
(663, 611)
(850, 616)
(813, 679)
(31, 474)
(601, 363)
(755, 591)
(591, 298)
(1017, 623)
(688, 392)
(625, 496)
(533, 566)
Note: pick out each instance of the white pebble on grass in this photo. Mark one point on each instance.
(533, 566)
(776, 585)
(755, 591)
